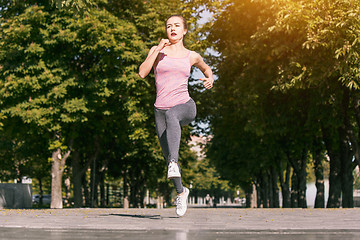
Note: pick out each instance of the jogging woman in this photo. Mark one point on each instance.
(174, 107)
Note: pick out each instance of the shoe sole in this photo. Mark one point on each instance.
(173, 176)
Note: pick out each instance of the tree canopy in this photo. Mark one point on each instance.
(288, 73)
(286, 95)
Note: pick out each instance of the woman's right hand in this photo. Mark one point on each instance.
(163, 43)
(146, 66)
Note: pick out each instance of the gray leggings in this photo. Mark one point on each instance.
(168, 127)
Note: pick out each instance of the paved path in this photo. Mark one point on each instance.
(164, 221)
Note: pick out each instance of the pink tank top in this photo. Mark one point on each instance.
(171, 80)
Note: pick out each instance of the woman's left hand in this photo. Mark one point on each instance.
(208, 82)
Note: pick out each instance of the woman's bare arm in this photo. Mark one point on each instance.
(198, 62)
(146, 66)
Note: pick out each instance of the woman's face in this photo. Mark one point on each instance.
(175, 29)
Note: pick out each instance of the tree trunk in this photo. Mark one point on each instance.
(137, 183)
(41, 192)
(85, 186)
(332, 147)
(77, 176)
(346, 134)
(107, 194)
(335, 185)
(354, 137)
(258, 195)
(347, 184)
(67, 191)
(264, 187)
(254, 198)
(248, 197)
(302, 180)
(275, 188)
(319, 174)
(132, 198)
(270, 189)
(298, 181)
(94, 174)
(56, 179)
(93, 185)
(79, 180)
(285, 185)
(249, 190)
(294, 191)
(341, 179)
(142, 197)
(260, 192)
(346, 172)
(57, 169)
(126, 194)
(102, 188)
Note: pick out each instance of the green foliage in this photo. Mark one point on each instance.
(285, 68)
(69, 79)
(206, 180)
(64, 75)
(52, 64)
(73, 4)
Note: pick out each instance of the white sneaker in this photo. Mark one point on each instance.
(173, 170)
(181, 202)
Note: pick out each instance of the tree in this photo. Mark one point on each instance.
(333, 75)
(285, 68)
(70, 78)
(52, 60)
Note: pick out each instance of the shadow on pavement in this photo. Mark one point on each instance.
(155, 217)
